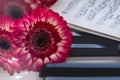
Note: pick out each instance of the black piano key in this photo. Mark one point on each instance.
(95, 40)
(81, 70)
(93, 52)
(93, 37)
(90, 38)
(82, 78)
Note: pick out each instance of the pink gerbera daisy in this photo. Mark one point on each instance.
(8, 46)
(47, 39)
(17, 8)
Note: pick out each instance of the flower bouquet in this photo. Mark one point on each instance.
(31, 35)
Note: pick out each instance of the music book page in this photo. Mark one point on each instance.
(100, 17)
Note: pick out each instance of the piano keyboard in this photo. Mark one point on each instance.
(92, 57)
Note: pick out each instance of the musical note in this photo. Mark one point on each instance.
(103, 19)
(116, 22)
(70, 6)
(83, 10)
(94, 11)
(113, 7)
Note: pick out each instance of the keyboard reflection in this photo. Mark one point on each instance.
(24, 75)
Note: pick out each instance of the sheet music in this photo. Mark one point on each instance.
(98, 16)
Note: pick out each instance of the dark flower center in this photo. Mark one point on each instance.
(4, 44)
(41, 40)
(15, 11)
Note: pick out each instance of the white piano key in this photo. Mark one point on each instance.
(85, 65)
(87, 46)
(93, 60)
(76, 34)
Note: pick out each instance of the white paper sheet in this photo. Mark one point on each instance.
(100, 17)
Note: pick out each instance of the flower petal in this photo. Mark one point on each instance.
(17, 67)
(9, 68)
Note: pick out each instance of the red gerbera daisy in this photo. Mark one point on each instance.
(47, 3)
(47, 39)
(16, 8)
(8, 46)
